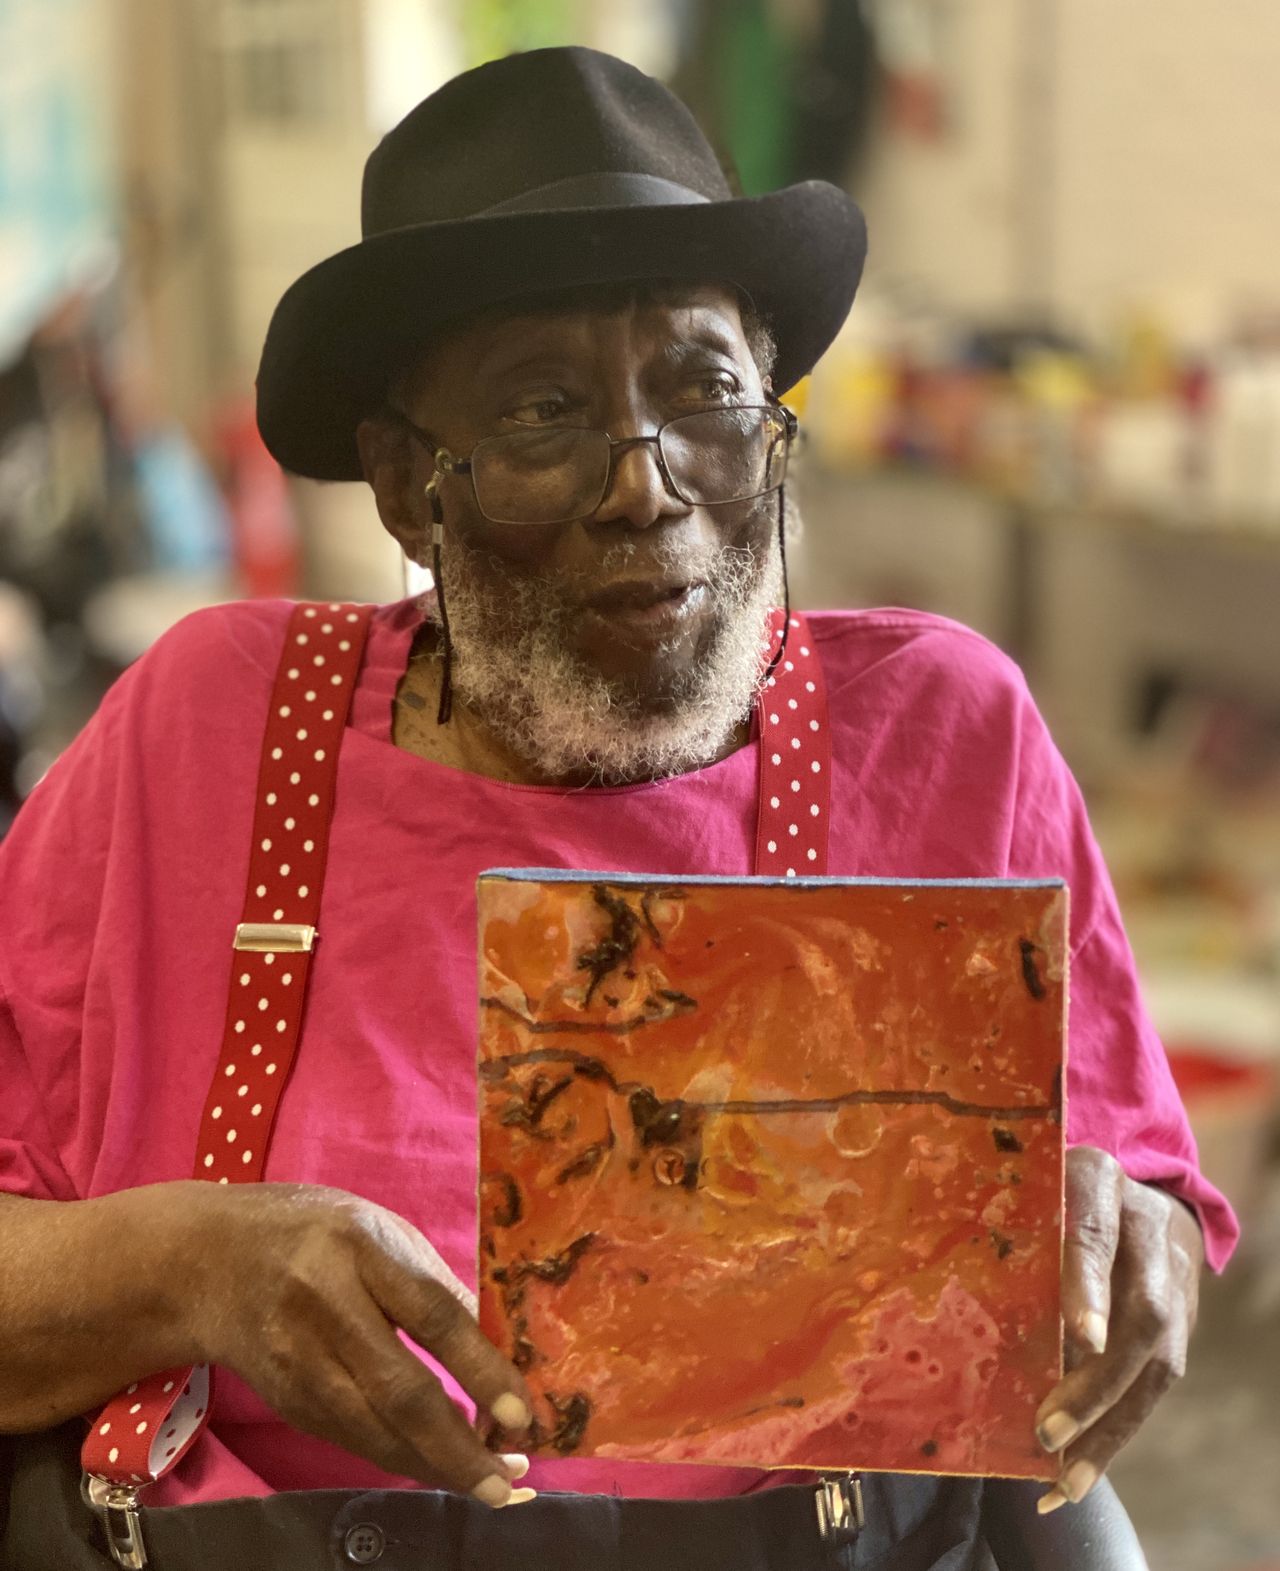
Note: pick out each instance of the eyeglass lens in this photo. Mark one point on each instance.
(721, 455)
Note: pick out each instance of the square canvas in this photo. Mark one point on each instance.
(771, 1172)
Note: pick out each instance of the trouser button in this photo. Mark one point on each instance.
(364, 1543)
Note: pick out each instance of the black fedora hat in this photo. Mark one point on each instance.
(551, 169)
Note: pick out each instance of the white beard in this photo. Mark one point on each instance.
(513, 666)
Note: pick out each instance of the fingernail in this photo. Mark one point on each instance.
(1058, 1430)
(1093, 1327)
(519, 1496)
(1078, 1480)
(515, 1462)
(493, 1491)
(1051, 1501)
(511, 1412)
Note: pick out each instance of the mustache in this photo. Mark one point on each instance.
(722, 568)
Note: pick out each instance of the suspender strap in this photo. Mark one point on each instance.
(147, 1429)
(795, 757)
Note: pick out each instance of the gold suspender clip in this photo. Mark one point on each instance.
(277, 938)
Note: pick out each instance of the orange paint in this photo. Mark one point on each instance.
(772, 1174)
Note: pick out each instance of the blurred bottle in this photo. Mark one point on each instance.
(1145, 364)
(1140, 438)
(1195, 395)
(1006, 439)
(266, 547)
(1242, 449)
(1057, 388)
(1139, 456)
(185, 517)
(850, 408)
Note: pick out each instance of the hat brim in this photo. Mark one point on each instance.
(349, 323)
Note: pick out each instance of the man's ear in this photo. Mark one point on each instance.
(388, 461)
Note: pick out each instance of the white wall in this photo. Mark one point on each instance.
(1102, 155)
(942, 215)
(1167, 148)
(1135, 142)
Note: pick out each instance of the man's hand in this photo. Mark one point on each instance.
(299, 1290)
(1130, 1285)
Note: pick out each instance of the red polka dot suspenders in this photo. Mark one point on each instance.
(146, 1430)
(795, 758)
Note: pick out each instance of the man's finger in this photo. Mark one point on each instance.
(1093, 1194)
(344, 1386)
(408, 1291)
(404, 1409)
(1084, 1462)
(1145, 1315)
(338, 1410)
(426, 1257)
(1081, 1397)
(413, 1406)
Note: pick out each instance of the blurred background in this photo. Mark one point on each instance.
(1054, 415)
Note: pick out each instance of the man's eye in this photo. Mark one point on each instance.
(715, 387)
(538, 411)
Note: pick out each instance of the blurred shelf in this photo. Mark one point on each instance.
(1027, 508)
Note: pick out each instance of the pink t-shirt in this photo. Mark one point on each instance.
(122, 881)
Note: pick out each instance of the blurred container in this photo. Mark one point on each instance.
(1222, 1034)
(852, 408)
(1006, 456)
(266, 544)
(1059, 390)
(1231, 1105)
(1242, 458)
(1140, 456)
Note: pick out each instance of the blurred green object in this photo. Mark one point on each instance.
(492, 28)
(753, 72)
(786, 92)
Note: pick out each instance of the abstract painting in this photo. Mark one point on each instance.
(771, 1172)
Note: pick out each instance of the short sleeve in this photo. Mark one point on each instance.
(53, 868)
(1121, 1095)
(29, 1164)
(104, 848)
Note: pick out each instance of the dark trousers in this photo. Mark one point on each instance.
(912, 1524)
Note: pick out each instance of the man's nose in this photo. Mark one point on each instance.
(638, 493)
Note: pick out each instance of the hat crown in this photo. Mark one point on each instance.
(504, 130)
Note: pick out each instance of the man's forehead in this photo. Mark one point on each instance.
(701, 311)
(685, 300)
(673, 293)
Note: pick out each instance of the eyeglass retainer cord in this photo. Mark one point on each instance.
(445, 711)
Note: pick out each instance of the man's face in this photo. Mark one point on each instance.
(650, 610)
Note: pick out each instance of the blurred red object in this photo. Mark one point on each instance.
(1208, 1076)
(265, 539)
(915, 104)
(1231, 1103)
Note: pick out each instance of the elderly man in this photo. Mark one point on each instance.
(554, 358)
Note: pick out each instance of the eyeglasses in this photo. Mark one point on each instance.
(557, 475)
